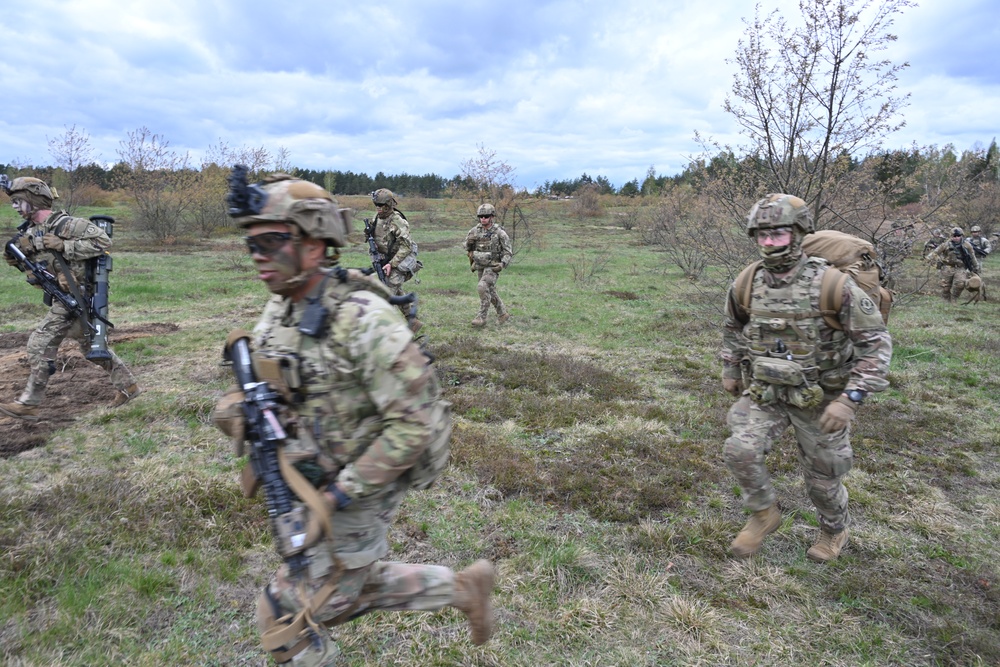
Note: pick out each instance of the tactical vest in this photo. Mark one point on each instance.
(487, 248)
(335, 420)
(789, 359)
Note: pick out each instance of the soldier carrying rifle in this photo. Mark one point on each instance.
(60, 247)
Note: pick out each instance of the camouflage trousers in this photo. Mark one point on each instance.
(395, 281)
(488, 296)
(825, 458)
(380, 585)
(43, 345)
(953, 280)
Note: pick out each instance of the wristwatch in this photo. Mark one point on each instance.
(856, 396)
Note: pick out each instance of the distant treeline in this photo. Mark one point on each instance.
(889, 166)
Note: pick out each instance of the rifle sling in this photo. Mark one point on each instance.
(290, 635)
(74, 290)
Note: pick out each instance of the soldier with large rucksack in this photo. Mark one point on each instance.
(67, 257)
(803, 346)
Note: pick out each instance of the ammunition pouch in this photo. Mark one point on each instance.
(776, 379)
(482, 259)
(280, 371)
(410, 264)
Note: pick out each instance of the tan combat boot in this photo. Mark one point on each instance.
(760, 525)
(479, 321)
(473, 587)
(828, 546)
(20, 411)
(503, 318)
(123, 397)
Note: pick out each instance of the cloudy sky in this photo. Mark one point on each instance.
(556, 88)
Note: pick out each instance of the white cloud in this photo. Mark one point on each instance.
(556, 88)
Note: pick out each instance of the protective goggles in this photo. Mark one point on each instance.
(266, 244)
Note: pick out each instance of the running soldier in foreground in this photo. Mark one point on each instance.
(357, 412)
(62, 244)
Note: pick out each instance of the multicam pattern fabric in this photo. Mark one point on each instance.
(981, 245)
(363, 395)
(951, 268)
(392, 238)
(488, 247)
(82, 240)
(792, 382)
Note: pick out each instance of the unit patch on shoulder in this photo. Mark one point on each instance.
(867, 306)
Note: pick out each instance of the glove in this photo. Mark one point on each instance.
(53, 242)
(228, 418)
(733, 386)
(336, 498)
(10, 260)
(497, 267)
(25, 245)
(837, 415)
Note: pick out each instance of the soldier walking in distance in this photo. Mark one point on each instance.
(791, 364)
(392, 238)
(490, 252)
(64, 244)
(359, 407)
(956, 260)
(936, 239)
(980, 244)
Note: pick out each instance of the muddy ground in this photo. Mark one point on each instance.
(77, 387)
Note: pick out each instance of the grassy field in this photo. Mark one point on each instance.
(587, 466)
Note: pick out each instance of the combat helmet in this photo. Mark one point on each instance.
(976, 228)
(384, 196)
(780, 210)
(33, 190)
(284, 198)
(485, 209)
(957, 231)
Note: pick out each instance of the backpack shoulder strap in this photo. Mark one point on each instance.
(831, 296)
(743, 286)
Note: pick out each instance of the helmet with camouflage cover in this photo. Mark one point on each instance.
(34, 191)
(780, 210)
(384, 196)
(957, 231)
(937, 232)
(485, 209)
(284, 198)
(976, 228)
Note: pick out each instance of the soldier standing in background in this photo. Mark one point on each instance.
(64, 243)
(936, 239)
(980, 244)
(791, 365)
(490, 252)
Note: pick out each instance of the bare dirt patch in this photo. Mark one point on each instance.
(77, 387)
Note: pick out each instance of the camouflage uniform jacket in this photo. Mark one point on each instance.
(489, 246)
(948, 254)
(82, 240)
(392, 238)
(361, 398)
(981, 245)
(856, 357)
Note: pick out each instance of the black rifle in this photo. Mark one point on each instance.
(377, 260)
(265, 434)
(970, 266)
(44, 279)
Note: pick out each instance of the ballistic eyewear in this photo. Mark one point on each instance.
(266, 244)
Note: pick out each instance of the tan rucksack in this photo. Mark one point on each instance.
(850, 256)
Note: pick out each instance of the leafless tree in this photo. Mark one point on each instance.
(70, 151)
(160, 182)
(491, 179)
(811, 97)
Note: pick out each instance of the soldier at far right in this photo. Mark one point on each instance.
(980, 244)
(956, 260)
